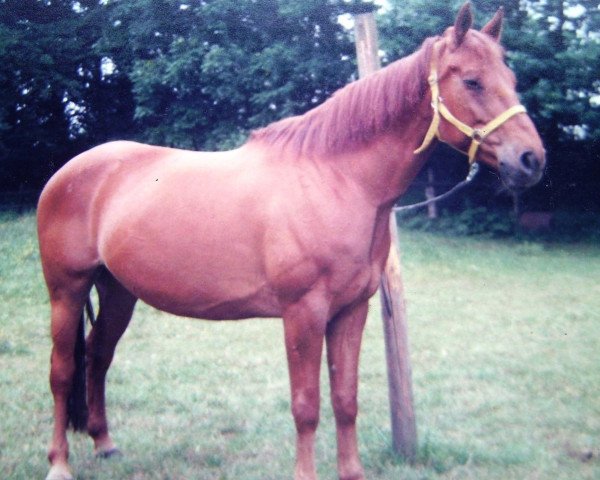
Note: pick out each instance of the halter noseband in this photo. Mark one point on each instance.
(477, 135)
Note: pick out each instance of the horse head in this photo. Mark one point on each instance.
(475, 105)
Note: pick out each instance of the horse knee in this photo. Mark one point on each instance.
(305, 409)
(345, 408)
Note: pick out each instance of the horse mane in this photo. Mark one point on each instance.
(356, 113)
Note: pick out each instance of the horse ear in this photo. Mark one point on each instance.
(494, 26)
(463, 22)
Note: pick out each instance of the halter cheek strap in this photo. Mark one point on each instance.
(477, 135)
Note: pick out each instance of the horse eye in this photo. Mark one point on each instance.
(473, 84)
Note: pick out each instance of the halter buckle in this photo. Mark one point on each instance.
(478, 135)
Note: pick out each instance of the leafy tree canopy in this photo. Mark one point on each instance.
(202, 73)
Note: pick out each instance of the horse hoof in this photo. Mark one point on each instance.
(110, 453)
(59, 473)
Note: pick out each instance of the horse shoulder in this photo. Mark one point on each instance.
(311, 241)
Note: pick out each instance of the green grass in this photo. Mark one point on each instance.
(505, 344)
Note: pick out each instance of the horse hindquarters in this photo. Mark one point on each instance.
(69, 266)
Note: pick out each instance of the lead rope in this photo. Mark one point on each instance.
(470, 176)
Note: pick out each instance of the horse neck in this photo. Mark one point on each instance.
(385, 165)
(368, 130)
(386, 168)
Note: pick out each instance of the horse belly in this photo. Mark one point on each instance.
(211, 303)
(195, 286)
(206, 265)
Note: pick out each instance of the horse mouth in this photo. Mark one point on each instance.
(518, 181)
(524, 173)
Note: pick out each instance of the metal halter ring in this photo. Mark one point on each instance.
(478, 135)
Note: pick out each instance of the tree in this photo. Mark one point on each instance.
(217, 69)
(34, 85)
(195, 74)
(55, 98)
(558, 64)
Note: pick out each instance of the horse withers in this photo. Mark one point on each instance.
(293, 224)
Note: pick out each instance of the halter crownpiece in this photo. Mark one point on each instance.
(477, 135)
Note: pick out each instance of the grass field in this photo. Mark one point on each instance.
(505, 344)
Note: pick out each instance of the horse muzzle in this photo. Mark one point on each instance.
(521, 169)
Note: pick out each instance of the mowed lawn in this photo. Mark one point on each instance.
(505, 347)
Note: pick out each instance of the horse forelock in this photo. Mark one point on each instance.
(356, 113)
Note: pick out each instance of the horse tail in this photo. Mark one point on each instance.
(77, 410)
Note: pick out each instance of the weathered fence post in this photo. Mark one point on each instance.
(395, 323)
(404, 431)
(367, 50)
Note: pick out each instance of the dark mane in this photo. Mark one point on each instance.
(355, 114)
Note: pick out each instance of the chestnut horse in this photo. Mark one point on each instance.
(293, 224)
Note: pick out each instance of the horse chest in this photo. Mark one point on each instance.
(334, 258)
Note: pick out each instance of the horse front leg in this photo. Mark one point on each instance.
(304, 327)
(344, 335)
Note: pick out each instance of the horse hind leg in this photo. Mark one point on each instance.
(116, 309)
(67, 298)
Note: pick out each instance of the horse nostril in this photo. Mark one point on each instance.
(530, 161)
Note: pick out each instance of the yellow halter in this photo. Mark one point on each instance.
(477, 135)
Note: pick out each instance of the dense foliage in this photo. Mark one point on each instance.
(202, 73)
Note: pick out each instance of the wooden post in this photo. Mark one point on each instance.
(367, 50)
(404, 431)
(395, 324)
